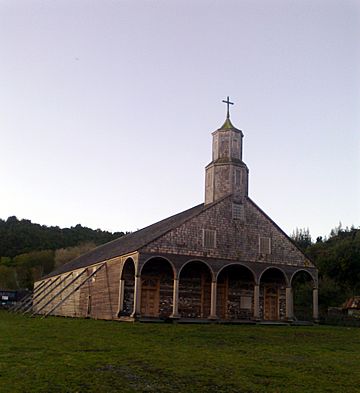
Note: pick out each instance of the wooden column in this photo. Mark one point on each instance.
(315, 304)
(137, 297)
(175, 312)
(289, 304)
(256, 301)
(121, 296)
(213, 300)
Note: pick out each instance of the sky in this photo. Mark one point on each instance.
(107, 108)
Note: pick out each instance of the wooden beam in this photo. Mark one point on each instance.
(30, 307)
(58, 293)
(24, 300)
(30, 303)
(30, 297)
(74, 290)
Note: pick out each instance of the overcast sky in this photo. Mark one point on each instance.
(107, 108)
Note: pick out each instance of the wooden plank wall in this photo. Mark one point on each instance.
(97, 298)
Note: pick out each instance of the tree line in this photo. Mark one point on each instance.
(337, 258)
(28, 250)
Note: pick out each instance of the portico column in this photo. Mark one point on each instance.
(121, 296)
(289, 303)
(137, 297)
(213, 300)
(175, 312)
(256, 301)
(315, 304)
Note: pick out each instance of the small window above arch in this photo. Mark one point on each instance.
(264, 245)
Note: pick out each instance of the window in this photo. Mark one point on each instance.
(215, 150)
(238, 211)
(209, 238)
(237, 177)
(264, 245)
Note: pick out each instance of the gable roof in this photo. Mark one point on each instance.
(130, 242)
(136, 240)
(279, 229)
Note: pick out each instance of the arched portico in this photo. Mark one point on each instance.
(235, 292)
(156, 292)
(273, 285)
(304, 292)
(195, 290)
(126, 288)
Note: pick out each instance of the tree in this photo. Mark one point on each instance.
(7, 277)
(302, 238)
(64, 255)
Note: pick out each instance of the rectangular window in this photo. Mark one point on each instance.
(237, 177)
(264, 245)
(238, 211)
(209, 238)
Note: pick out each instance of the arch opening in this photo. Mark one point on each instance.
(272, 300)
(128, 278)
(235, 293)
(157, 279)
(195, 290)
(302, 286)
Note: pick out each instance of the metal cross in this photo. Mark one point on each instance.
(228, 103)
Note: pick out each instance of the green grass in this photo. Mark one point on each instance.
(77, 355)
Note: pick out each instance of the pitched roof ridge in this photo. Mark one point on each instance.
(281, 230)
(205, 207)
(169, 218)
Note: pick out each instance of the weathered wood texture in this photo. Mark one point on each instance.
(236, 240)
(195, 291)
(97, 298)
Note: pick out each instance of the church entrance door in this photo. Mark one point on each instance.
(150, 296)
(271, 312)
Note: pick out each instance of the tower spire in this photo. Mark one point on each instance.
(226, 174)
(228, 103)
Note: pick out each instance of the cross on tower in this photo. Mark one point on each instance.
(228, 103)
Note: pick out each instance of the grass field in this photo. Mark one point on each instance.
(70, 355)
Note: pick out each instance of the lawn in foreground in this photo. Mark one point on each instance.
(78, 355)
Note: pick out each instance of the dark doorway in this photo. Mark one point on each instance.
(235, 297)
(195, 290)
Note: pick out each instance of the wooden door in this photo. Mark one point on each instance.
(271, 309)
(150, 296)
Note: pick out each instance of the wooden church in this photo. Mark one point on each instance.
(223, 260)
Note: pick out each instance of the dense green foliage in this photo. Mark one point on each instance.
(338, 261)
(28, 250)
(22, 236)
(81, 355)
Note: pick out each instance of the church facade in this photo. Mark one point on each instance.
(222, 260)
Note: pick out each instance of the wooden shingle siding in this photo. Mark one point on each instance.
(236, 240)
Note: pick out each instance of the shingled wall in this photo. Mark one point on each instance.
(236, 239)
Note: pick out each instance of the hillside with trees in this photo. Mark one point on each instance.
(29, 251)
(338, 260)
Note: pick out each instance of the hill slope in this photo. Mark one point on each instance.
(29, 250)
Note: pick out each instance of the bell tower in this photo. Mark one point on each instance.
(227, 173)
